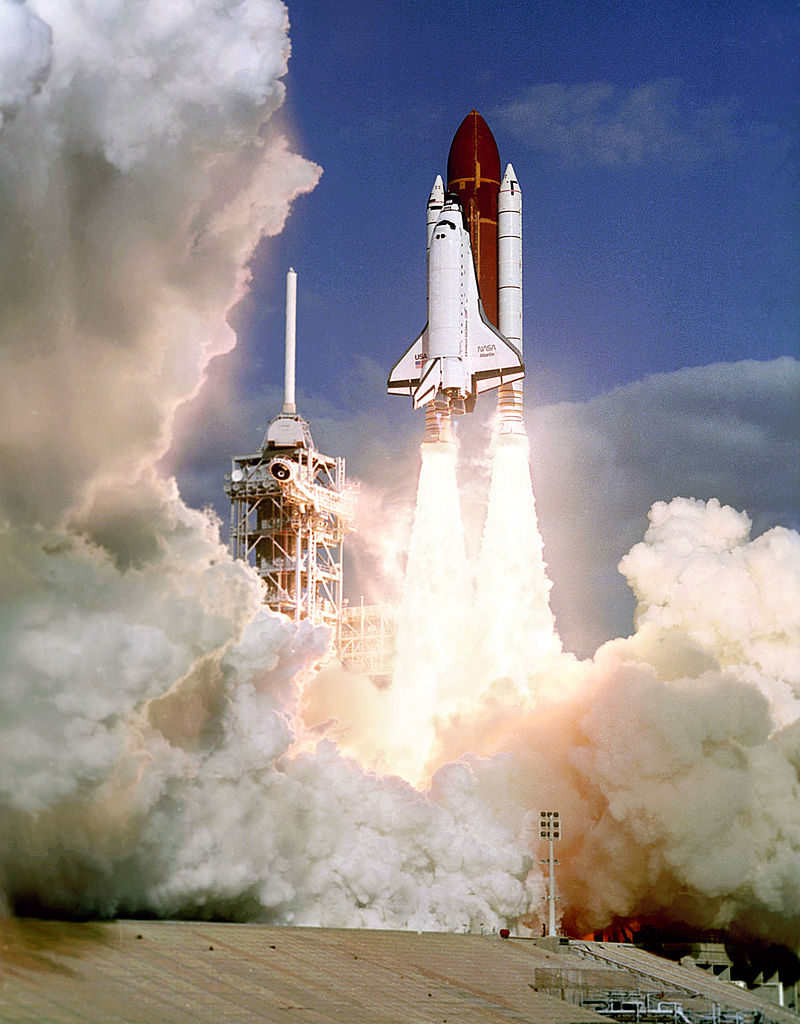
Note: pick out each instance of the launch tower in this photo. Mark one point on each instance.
(291, 508)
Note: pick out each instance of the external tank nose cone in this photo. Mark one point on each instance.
(473, 151)
(473, 173)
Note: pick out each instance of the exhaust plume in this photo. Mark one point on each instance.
(513, 617)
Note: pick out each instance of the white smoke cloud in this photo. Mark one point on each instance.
(141, 184)
(24, 55)
(150, 764)
(673, 755)
(698, 570)
(152, 757)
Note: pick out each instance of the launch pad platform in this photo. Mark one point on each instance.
(138, 972)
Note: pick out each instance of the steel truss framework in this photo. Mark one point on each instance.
(368, 639)
(290, 511)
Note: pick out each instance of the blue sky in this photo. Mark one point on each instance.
(653, 145)
(656, 148)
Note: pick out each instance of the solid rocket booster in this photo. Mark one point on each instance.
(473, 339)
(509, 294)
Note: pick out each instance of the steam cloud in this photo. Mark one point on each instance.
(160, 732)
(151, 754)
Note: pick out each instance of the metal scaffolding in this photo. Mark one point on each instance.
(368, 639)
(290, 510)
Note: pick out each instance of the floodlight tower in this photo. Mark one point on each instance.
(291, 508)
(550, 830)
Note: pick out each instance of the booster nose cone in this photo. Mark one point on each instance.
(436, 198)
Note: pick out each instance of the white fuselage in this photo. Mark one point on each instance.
(447, 290)
(459, 353)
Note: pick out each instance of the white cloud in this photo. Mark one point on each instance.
(726, 431)
(597, 122)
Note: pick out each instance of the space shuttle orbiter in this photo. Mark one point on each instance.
(460, 353)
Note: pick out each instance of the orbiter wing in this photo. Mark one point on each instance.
(489, 357)
(405, 374)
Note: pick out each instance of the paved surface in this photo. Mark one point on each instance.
(157, 972)
(164, 972)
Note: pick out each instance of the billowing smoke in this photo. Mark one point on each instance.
(673, 755)
(152, 758)
(136, 182)
(166, 745)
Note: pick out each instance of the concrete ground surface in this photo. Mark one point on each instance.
(169, 972)
(160, 972)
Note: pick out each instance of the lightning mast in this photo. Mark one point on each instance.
(291, 508)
